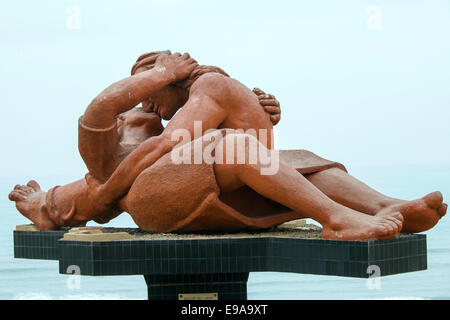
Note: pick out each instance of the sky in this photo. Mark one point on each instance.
(360, 82)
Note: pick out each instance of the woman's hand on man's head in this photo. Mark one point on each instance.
(178, 66)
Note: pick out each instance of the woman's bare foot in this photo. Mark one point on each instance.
(353, 225)
(30, 201)
(421, 214)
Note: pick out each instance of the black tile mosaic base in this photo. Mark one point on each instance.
(226, 255)
(227, 286)
(221, 265)
(231, 255)
(37, 245)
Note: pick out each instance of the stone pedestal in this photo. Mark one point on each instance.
(216, 286)
(217, 266)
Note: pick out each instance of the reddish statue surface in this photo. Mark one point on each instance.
(132, 167)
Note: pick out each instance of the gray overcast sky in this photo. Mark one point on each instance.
(361, 82)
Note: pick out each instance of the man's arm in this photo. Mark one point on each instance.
(129, 92)
(199, 107)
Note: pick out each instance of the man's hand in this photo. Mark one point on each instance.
(270, 104)
(178, 66)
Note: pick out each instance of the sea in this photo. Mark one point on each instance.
(40, 280)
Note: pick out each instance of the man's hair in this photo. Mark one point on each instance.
(147, 61)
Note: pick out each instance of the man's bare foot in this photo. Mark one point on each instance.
(30, 201)
(353, 225)
(421, 214)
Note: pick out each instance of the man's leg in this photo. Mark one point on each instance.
(420, 215)
(290, 188)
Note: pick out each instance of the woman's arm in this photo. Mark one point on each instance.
(270, 104)
(127, 93)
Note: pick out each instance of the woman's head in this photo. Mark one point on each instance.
(168, 100)
(136, 125)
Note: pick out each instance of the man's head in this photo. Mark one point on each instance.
(168, 100)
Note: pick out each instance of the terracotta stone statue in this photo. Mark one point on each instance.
(130, 158)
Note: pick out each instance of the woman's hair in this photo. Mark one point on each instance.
(147, 61)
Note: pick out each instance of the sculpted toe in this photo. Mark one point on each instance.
(392, 227)
(386, 231)
(399, 217)
(33, 184)
(434, 199)
(21, 192)
(11, 196)
(442, 209)
(396, 224)
(16, 196)
(22, 188)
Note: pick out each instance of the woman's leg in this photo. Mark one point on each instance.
(70, 205)
(350, 192)
(67, 205)
(420, 215)
(288, 187)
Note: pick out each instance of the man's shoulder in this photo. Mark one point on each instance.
(213, 85)
(211, 81)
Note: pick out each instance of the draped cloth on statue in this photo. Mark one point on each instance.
(170, 197)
